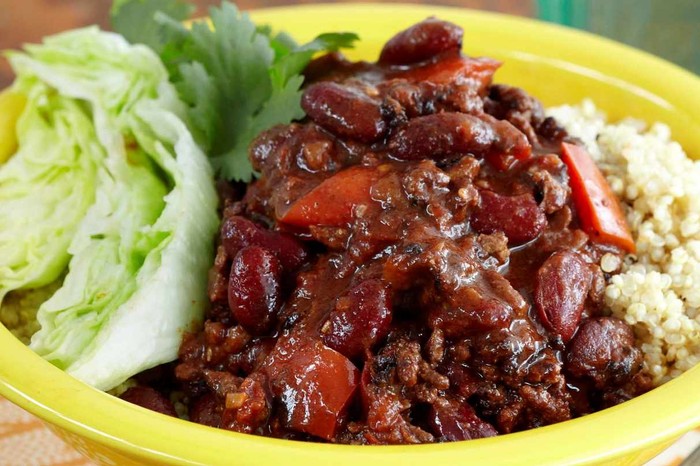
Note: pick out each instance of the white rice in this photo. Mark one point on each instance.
(658, 291)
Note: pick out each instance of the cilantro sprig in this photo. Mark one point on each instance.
(237, 79)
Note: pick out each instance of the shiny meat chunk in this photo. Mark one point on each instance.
(515, 105)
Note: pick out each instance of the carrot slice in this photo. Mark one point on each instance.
(598, 209)
(333, 202)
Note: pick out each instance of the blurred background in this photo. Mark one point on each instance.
(668, 28)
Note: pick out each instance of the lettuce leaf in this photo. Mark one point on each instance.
(45, 188)
(140, 255)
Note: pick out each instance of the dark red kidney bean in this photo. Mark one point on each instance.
(344, 111)
(561, 286)
(206, 410)
(453, 421)
(254, 289)
(422, 41)
(447, 134)
(149, 398)
(520, 218)
(603, 350)
(359, 319)
(238, 232)
(314, 386)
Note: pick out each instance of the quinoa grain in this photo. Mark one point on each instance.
(659, 292)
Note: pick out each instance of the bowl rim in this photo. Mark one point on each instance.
(121, 426)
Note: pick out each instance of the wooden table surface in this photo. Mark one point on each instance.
(23, 21)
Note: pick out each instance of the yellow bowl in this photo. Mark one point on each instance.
(557, 65)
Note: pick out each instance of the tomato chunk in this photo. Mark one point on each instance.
(333, 202)
(453, 70)
(598, 209)
(314, 385)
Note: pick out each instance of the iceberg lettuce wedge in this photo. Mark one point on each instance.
(140, 253)
(45, 188)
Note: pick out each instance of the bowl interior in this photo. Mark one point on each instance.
(556, 65)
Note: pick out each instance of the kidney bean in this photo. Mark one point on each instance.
(561, 286)
(422, 41)
(149, 398)
(314, 385)
(603, 350)
(518, 217)
(238, 232)
(452, 421)
(344, 111)
(254, 289)
(359, 319)
(447, 134)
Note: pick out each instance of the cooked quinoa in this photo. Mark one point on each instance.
(18, 309)
(658, 290)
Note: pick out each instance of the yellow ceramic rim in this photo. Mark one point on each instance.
(655, 417)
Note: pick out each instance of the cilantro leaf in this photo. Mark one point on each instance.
(294, 62)
(282, 107)
(134, 19)
(236, 78)
(198, 89)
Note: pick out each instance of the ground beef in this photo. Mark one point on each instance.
(409, 266)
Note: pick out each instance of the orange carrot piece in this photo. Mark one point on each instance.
(598, 209)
